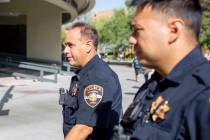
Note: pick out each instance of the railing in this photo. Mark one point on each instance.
(68, 68)
(42, 69)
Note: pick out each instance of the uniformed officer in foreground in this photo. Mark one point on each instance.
(175, 103)
(93, 104)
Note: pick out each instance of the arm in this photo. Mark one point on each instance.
(79, 132)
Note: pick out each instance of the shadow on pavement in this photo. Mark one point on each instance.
(4, 100)
(129, 93)
(136, 87)
(131, 80)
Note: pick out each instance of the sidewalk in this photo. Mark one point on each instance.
(34, 110)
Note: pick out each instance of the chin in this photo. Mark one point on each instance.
(71, 63)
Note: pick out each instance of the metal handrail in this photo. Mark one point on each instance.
(32, 66)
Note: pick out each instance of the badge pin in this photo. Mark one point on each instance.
(159, 108)
(74, 90)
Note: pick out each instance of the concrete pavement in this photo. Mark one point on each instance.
(34, 110)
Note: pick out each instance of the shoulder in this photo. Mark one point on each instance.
(102, 73)
(201, 74)
(199, 109)
(200, 105)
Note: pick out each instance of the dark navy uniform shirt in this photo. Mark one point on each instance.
(94, 99)
(177, 107)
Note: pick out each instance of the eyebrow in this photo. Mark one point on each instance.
(68, 43)
(135, 25)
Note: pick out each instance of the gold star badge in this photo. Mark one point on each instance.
(74, 90)
(159, 108)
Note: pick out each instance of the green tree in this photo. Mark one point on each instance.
(115, 31)
(205, 30)
(205, 27)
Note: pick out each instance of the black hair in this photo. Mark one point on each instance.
(87, 31)
(188, 10)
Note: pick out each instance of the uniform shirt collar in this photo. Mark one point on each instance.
(193, 59)
(88, 66)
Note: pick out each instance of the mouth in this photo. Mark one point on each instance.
(69, 58)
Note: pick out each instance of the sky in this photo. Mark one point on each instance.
(102, 5)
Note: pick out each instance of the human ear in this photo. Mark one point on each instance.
(88, 45)
(175, 27)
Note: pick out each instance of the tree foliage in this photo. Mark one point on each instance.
(115, 31)
(205, 28)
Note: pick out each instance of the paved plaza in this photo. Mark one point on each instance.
(34, 113)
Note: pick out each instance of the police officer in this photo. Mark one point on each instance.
(175, 103)
(93, 104)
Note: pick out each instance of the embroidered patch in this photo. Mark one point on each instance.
(159, 108)
(93, 95)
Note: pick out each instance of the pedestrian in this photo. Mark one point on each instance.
(175, 103)
(93, 103)
(120, 56)
(137, 68)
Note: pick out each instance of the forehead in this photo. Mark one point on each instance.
(144, 16)
(73, 34)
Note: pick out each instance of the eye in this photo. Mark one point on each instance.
(136, 31)
(68, 44)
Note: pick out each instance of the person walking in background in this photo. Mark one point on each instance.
(93, 104)
(137, 68)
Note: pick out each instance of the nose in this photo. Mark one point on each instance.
(65, 51)
(132, 40)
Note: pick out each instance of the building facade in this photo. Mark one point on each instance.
(32, 28)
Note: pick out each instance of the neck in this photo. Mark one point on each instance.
(177, 54)
(87, 59)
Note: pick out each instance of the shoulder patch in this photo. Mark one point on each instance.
(93, 95)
